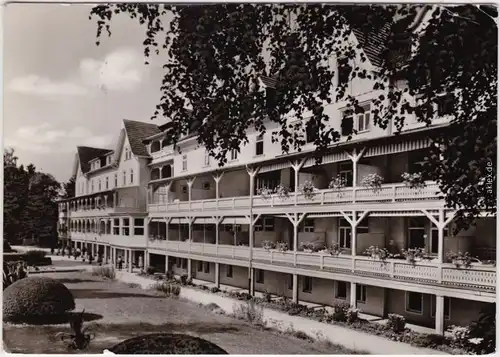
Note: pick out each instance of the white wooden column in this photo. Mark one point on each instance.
(441, 224)
(190, 268)
(166, 264)
(353, 295)
(354, 156)
(217, 179)
(295, 219)
(252, 172)
(217, 275)
(439, 314)
(190, 183)
(295, 288)
(354, 222)
(297, 165)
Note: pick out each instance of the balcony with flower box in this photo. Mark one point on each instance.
(477, 277)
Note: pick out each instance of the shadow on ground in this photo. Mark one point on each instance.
(103, 294)
(144, 327)
(76, 281)
(57, 319)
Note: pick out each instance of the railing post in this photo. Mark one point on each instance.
(271, 257)
(322, 197)
(391, 272)
(440, 273)
(321, 261)
(393, 193)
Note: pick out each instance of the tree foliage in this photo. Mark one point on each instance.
(217, 55)
(69, 188)
(30, 208)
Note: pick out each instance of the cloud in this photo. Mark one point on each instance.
(42, 86)
(123, 69)
(42, 138)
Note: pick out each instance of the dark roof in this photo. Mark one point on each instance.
(86, 153)
(374, 43)
(137, 131)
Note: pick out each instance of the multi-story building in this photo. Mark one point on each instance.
(189, 216)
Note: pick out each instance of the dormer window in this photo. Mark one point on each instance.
(108, 160)
(184, 162)
(155, 146)
(363, 119)
(128, 154)
(259, 145)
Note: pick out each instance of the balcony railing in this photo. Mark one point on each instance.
(476, 277)
(387, 193)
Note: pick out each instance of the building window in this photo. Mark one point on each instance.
(259, 145)
(126, 227)
(447, 307)
(92, 186)
(259, 276)
(116, 226)
(344, 71)
(184, 162)
(124, 178)
(207, 267)
(344, 233)
(347, 124)
(445, 104)
(345, 172)
(290, 281)
(307, 284)
(178, 262)
(341, 290)
(200, 266)
(108, 160)
(361, 293)
(414, 302)
(128, 154)
(207, 158)
(435, 238)
(229, 271)
(184, 263)
(116, 180)
(265, 224)
(138, 226)
(99, 185)
(363, 119)
(308, 225)
(416, 232)
(311, 131)
(234, 154)
(131, 176)
(107, 183)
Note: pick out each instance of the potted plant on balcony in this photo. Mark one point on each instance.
(413, 254)
(460, 259)
(265, 192)
(333, 250)
(337, 184)
(268, 245)
(413, 181)
(377, 253)
(282, 246)
(282, 191)
(307, 189)
(307, 247)
(373, 182)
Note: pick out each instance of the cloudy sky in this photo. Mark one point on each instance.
(61, 90)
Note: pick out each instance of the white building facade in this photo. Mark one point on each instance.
(183, 213)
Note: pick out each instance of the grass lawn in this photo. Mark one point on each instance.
(121, 311)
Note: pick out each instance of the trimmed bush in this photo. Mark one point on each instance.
(169, 289)
(150, 270)
(13, 257)
(167, 343)
(396, 323)
(36, 300)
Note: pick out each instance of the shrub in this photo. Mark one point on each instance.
(150, 270)
(35, 254)
(169, 289)
(459, 335)
(484, 331)
(214, 290)
(105, 271)
(36, 299)
(340, 311)
(267, 296)
(166, 343)
(6, 246)
(352, 315)
(184, 279)
(396, 323)
(428, 340)
(250, 312)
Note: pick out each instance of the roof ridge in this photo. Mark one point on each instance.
(138, 121)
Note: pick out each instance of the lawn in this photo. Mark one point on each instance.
(120, 311)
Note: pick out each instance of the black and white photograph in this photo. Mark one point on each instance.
(250, 178)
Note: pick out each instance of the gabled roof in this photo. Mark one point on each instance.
(86, 153)
(136, 132)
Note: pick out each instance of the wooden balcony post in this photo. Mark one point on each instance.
(439, 314)
(295, 288)
(353, 295)
(217, 179)
(217, 275)
(252, 172)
